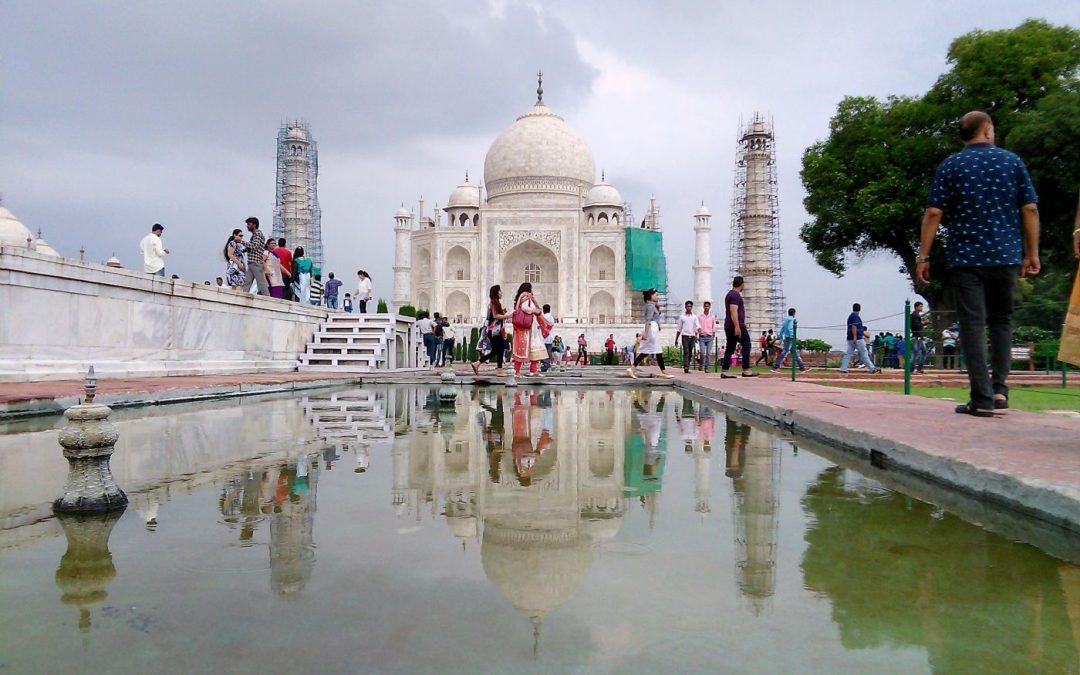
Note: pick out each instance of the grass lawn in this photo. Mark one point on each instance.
(1029, 399)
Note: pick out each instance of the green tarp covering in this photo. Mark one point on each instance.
(646, 266)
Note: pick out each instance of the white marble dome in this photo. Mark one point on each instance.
(296, 133)
(42, 247)
(466, 195)
(402, 213)
(538, 152)
(12, 231)
(603, 194)
(702, 211)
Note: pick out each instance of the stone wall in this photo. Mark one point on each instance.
(58, 316)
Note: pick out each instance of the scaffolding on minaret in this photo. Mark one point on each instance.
(297, 216)
(755, 226)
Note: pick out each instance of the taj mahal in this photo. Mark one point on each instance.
(544, 219)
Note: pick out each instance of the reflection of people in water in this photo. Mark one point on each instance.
(363, 459)
(649, 423)
(735, 448)
(330, 455)
(688, 424)
(493, 435)
(530, 439)
(706, 427)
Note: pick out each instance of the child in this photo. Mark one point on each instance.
(316, 290)
(347, 304)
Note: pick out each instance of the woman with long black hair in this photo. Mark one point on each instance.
(234, 260)
(496, 333)
(650, 336)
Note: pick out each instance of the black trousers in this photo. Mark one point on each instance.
(984, 300)
(498, 346)
(732, 341)
(689, 342)
(642, 357)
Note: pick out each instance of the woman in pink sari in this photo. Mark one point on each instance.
(528, 323)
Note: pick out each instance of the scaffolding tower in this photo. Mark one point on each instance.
(755, 226)
(297, 216)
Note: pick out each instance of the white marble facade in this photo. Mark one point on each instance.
(61, 315)
(545, 220)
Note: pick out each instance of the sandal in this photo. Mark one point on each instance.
(725, 376)
(1001, 403)
(475, 367)
(750, 374)
(968, 409)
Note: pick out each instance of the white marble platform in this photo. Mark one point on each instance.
(61, 315)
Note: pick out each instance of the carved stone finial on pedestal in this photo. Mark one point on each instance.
(88, 441)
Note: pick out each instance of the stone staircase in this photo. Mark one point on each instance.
(350, 343)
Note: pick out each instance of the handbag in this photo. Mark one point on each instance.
(521, 319)
(484, 343)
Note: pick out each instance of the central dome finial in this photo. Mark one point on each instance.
(540, 87)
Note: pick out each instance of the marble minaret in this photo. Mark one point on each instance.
(402, 257)
(702, 257)
(297, 215)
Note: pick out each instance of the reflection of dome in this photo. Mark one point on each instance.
(536, 148)
(602, 528)
(603, 194)
(536, 570)
(466, 195)
(12, 232)
(463, 527)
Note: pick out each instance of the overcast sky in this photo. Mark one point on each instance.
(116, 115)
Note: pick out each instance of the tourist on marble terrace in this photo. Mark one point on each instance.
(301, 273)
(529, 330)
(331, 290)
(234, 260)
(449, 338)
(286, 257)
(609, 349)
(315, 295)
(346, 303)
(153, 251)
(984, 196)
(787, 338)
(219, 282)
(650, 336)
(256, 256)
(438, 328)
(365, 290)
(427, 333)
(735, 330)
(274, 271)
(494, 332)
(549, 340)
(582, 351)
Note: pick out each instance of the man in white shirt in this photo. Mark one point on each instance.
(427, 334)
(549, 340)
(153, 252)
(448, 336)
(689, 329)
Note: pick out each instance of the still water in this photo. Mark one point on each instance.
(528, 530)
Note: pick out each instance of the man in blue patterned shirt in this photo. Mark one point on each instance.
(984, 198)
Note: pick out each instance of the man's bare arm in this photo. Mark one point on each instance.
(930, 222)
(1029, 215)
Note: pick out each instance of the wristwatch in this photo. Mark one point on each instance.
(922, 259)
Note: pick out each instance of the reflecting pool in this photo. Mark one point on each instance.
(392, 530)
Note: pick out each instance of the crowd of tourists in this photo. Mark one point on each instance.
(271, 268)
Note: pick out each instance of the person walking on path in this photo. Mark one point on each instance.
(763, 345)
(365, 290)
(256, 255)
(528, 344)
(918, 346)
(650, 336)
(153, 251)
(449, 337)
(582, 351)
(706, 335)
(301, 268)
(856, 342)
(688, 328)
(787, 338)
(496, 333)
(234, 260)
(315, 295)
(549, 340)
(286, 257)
(331, 290)
(735, 331)
(609, 349)
(984, 197)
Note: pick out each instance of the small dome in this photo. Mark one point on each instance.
(603, 194)
(42, 247)
(297, 133)
(703, 211)
(466, 195)
(403, 213)
(13, 232)
(113, 262)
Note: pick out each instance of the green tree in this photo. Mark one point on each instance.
(867, 182)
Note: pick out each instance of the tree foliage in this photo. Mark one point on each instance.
(868, 181)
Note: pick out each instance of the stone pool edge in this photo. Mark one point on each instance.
(1053, 504)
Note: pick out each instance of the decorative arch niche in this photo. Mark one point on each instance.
(533, 262)
(602, 264)
(458, 264)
